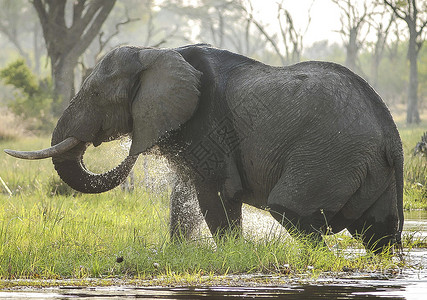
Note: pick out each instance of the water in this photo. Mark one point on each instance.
(358, 288)
(410, 283)
(416, 223)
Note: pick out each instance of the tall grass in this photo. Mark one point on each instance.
(415, 168)
(123, 234)
(76, 236)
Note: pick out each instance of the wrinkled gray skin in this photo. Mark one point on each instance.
(312, 142)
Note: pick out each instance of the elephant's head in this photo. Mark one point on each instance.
(142, 92)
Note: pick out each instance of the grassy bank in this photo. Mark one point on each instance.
(49, 231)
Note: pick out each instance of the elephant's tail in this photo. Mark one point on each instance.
(399, 188)
(396, 160)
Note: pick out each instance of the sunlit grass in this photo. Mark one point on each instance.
(83, 236)
(44, 236)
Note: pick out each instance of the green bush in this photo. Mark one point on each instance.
(33, 97)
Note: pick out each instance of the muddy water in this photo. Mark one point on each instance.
(410, 283)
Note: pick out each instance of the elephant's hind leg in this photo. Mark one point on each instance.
(295, 227)
(378, 225)
(306, 200)
(299, 219)
(222, 214)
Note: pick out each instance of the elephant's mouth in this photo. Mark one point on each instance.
(67, 157)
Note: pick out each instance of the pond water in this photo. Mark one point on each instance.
(416, 221)
(410, 283)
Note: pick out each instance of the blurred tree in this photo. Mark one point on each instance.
(422, 73)
(292, 38)
(323, 50)
(207, 14)
(395, 42)
(222, 23)
(137, 22)
(354, 28)
(381, 22)
(157, 34)
(19, 24)
(210, 16)
(68, 36)
(289, 45)
(414, 13)
(103, 43)
(20, 76)
(393, 78)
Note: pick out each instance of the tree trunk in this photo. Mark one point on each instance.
(409, 14)
(37, 52)
(376, 57)
(65, 44)
(374, 71)
(63, 82)
(412, 110)
(352, 50)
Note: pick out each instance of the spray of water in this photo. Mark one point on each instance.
(159, 177)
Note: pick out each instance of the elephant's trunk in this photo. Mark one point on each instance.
(72, 135)
(73, 171)
(69, 164)
(67, 157)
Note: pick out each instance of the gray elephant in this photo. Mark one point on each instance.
(421, 147)
(313, 143)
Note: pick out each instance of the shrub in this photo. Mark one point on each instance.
(33, 98)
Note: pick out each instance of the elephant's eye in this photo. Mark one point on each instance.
(95, 93)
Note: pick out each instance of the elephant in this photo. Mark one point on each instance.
(312, 143)
(421, 147)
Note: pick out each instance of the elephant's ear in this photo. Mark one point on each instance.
(167, 97)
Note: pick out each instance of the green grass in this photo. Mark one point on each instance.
(44, 236)
(415, 169)
(79, 237)
(49, 231)
(82, 236)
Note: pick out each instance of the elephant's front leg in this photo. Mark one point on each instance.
(185, 214)
(222, 214)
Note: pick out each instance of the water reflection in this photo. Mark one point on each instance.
(341, 290)
(416, 222)
(410, 284)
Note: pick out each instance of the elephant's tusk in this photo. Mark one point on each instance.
(62, 147)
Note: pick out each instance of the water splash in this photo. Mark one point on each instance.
(259, 224)
(158, 175)
(125, 143)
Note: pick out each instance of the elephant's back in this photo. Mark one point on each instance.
(308, 101)
(307, 113)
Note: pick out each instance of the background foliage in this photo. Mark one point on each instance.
(32, 97)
